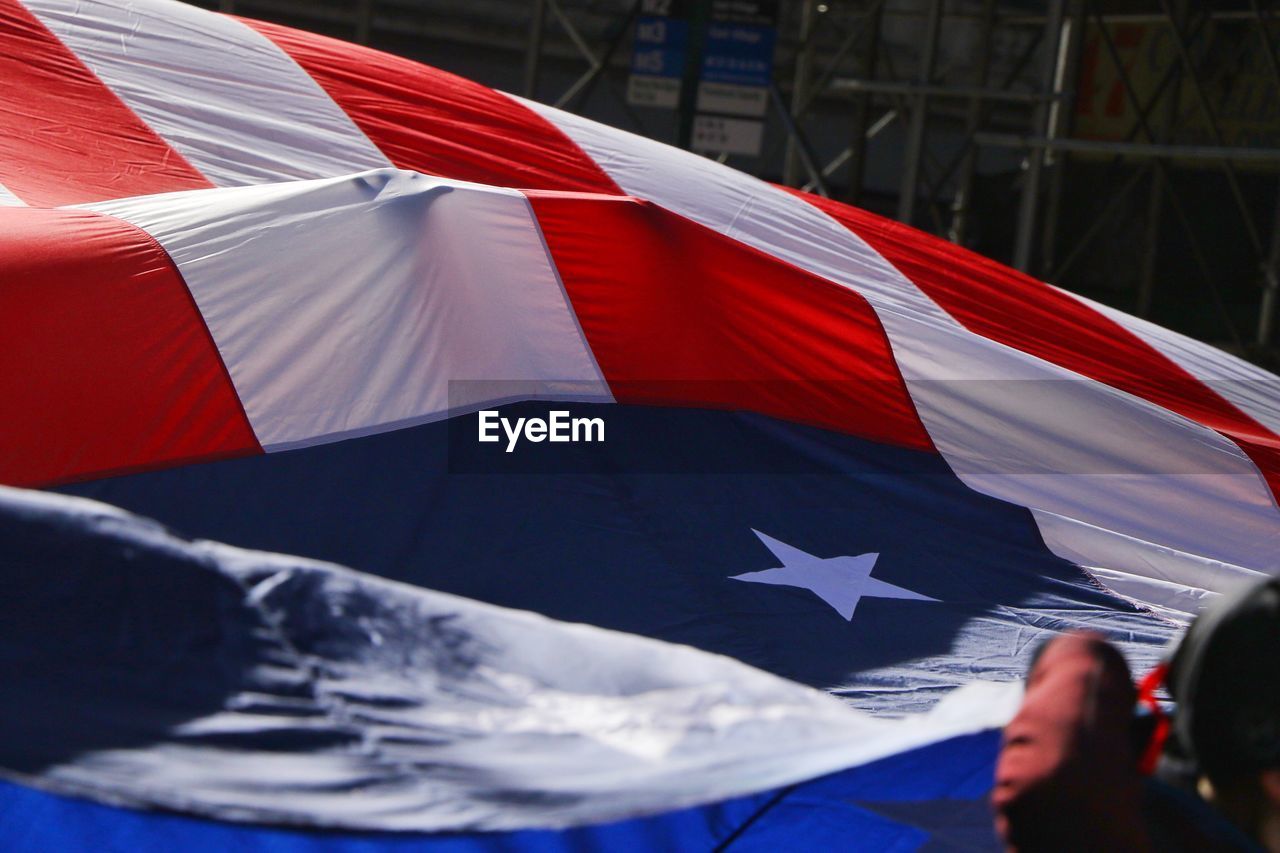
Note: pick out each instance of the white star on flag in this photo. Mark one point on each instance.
(839, 581)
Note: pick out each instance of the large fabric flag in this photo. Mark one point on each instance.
(145, 670)
(263, 286)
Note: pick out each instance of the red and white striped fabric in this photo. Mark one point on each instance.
(222, 237)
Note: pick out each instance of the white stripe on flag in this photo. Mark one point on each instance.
(346, 306)
(1011, 425)
(226, 98)
(1177, 590)
(8, 199)
(1254, 391)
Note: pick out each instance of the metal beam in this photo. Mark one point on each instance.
(871, 16)
(1271, 270)
(848, 153)
(1268, 48)
(1271, 286)
(797, 139)
(1136, 17)
(1061, 124)
(963, 197)
(849, 85)
(969, 142)
(1171, 75)
(800, 90)
(919, 117)
(1136, 150)
(857, 150)
(574, 36)
(1184, 55)
(1161, 170)
(1030, 202)
(575, 97)
(1155, 198)
(533, 54)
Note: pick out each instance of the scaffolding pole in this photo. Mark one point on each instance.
(973, 118)
(1030, 203)
(1061, 124)
(1135, 150)
(1184, 56)
(1155, 199)
(968, 144)
(533, 53)
(800, 91)
(1271, 270)
(919, 117)
(796, 137)
(976, 97)
(1271, 284)
(842, 85)
(870, 36)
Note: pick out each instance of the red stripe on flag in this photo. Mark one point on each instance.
(107, 366)
(1010, 307)
(677, 314)
(434, 122)
(65, 138)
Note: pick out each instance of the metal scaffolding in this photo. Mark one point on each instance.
(918, 108)
(1038, 91)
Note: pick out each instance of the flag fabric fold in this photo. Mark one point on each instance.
(143, 669)
(258, 285)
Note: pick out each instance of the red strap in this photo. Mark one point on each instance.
(1147, 688)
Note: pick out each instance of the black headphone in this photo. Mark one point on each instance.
(1224, 677)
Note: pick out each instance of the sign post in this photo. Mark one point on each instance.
(658, 59)
(713, 61)
(737, 67)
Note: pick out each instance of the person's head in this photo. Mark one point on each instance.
(1225, 680)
